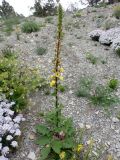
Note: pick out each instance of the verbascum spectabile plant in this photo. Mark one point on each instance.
(58, 70)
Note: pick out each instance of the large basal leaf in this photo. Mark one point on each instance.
(42, 129)
(56, 146)
(43, 140)
(44, 153)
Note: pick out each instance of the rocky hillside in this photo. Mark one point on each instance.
(82, 58)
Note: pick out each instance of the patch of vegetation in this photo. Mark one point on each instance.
(99, 95)
(118, 52)
(113, 84)
(49, 19)
(77, 14)
(29, 27)
(41, 51)
(10, 23)
(17, 81)
(103, 96)
(101, 4)
(85, 86)
(116, 11)
(91, 58)
(8, 52)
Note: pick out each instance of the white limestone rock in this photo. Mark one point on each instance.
(109, 36)
(95, 35)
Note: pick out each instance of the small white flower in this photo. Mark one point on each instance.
(18, 132)
(5, 150)
(12, 131)
(14, 144)
(9, 138)
(3, 158)
(17, 119)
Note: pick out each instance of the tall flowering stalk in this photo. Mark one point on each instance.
(58, 70)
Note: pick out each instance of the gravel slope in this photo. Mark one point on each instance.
(103, 128)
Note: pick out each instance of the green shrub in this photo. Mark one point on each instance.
(29, 27)
(113, 84)
(116, 12)
(41, 51)
(17, 81)
(91, 58)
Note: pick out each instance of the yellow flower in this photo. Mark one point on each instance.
(57, 74)
(62, 155)
(52, 83)
(61, 78)
(79, 147)
(61, 69)
(52, 76)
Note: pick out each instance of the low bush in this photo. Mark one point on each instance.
(116, 12)
(17, 81)
(41, 51)
(29, 27)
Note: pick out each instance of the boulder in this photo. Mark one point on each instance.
(108, 37)
(95, 35)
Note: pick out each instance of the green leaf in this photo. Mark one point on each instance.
(44, 153)
(68, 143)
(56, 146)
(42, 129)
(43, 140)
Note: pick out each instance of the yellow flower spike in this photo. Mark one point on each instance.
(62, 155)
(52, 83)
(80, 147)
